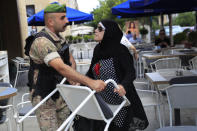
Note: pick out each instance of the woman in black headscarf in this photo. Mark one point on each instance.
(112, 60)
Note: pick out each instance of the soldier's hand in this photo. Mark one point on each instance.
(98, 85)
(121, 91)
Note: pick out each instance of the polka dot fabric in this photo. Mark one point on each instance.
(107, 71)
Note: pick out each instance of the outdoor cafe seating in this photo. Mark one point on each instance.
(175, 99)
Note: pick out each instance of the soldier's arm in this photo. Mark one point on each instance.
(72, 61)
(71, 74)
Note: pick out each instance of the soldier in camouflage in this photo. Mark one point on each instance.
(50, 64)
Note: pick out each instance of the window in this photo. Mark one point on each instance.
(30, 9)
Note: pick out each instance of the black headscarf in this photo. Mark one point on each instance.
(110, 46)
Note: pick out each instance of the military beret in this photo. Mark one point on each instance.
(55, 8)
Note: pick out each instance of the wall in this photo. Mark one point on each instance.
(10, 29)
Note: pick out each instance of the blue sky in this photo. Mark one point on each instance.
(87, 5)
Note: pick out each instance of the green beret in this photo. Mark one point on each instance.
(55, 8)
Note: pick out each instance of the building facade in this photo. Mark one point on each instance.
(13, 23)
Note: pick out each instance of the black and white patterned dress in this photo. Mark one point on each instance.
(107, 71)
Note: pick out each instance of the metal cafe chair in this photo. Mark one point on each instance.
(193, 63)
(22, 65)
(175, 98)
(166, 63)
(23, 108)
(150, 98)
(5, 109)
(29, 111)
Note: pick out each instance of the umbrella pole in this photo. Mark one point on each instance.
(162, 21)
(170, 28)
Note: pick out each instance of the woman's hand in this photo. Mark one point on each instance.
(121, 91)
(72, 82)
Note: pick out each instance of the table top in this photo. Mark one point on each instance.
(164, 76)
(170, 53)
(7, 92)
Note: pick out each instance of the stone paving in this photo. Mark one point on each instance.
(31, 124)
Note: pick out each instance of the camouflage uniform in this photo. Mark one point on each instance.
(52, 113)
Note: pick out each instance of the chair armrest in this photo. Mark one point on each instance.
(151, 65)
(149, 91)
(24, 95)
(7, 106)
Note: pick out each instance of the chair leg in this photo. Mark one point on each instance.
(22, 126)
(18, 126)
(17, 73)
(10, 126)
(159, 115)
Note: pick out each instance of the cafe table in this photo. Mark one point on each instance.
(7, 92)
(163, 77)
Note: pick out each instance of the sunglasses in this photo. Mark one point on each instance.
(100, 29)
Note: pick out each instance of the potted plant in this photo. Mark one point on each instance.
(143, 32)
(180, 39)
(192, 38)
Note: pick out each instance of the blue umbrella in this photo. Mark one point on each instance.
(72, 15)
(165, 4)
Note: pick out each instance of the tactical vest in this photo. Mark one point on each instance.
(48, 77)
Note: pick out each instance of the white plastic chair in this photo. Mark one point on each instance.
(181, 96)
(86, 104)
(22, 65)
(151, 98)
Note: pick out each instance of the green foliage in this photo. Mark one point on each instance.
(179, 38)
(88, 38)
(185, 19)
(192, 38)
(69, 38)
(77, 39)
(143, 31)
(104, 12)
(187, 30)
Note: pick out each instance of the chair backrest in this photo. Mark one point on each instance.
(193, 62)
(182, 95)
(4, 84)
(183, 80)
(74, 96)
(146, 62)
(167, 63)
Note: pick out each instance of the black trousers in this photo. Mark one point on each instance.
(3, 103)
(84, 124)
